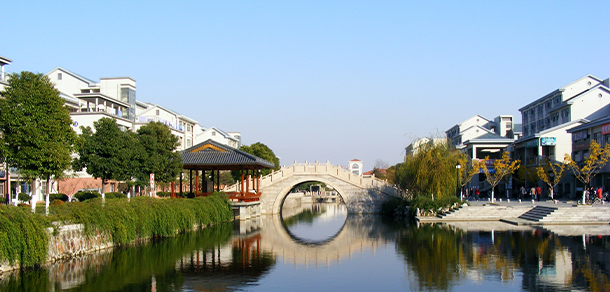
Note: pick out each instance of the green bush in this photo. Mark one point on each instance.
(86, 195)
(144, 217)
(23, 236)
(62, 197)
(425, 203)
(164, 194)
(389, 206)
(56, 202)
(24, 197)
(115, 195)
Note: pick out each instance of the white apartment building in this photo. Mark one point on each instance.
(3, 78)
(547, 119)
(413, 148)
(89, 101)
(232, 139)
(181, 126)
(598, 131)
(501, 126)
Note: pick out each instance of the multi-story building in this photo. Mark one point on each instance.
(89, 101)
(413, 148)
(547, 119)
(598, 131)
(232, 139)
(181, 126)
(4, 173)
(3, 77)
(481, 138)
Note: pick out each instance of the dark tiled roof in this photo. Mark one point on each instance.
(211, 155)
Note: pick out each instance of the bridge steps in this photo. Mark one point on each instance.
(484, 213)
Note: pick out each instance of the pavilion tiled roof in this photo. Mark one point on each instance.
(211, 155)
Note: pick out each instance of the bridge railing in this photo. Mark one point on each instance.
(316, 168)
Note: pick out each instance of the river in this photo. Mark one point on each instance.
(319, 247)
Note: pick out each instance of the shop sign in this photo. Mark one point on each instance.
(606, 129)
(489, 164)
(583, 145)
(580, 135)
(531, 143)
(548, 141)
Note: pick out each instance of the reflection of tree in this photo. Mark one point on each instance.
(433, 255)
(306, 216)
(440, 256)
(133, 267)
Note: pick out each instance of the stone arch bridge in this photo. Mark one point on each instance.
(361, 194)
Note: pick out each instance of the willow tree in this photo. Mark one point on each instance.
(502, 168)
(429, 171)
(36, 129)
(584, 172)
(546, 168)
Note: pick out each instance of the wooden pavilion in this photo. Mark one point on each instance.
(214, 157)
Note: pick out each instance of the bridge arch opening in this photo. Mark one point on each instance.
(286, 191)
(312, 212)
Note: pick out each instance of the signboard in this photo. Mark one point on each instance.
(531, 143)
(583, 145)
(548, 141)
(606, 129)
(580, 135)
(489, 164)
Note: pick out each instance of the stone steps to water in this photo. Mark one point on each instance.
(537, 213)
(488, 212)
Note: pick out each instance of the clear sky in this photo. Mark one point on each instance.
(320, 80)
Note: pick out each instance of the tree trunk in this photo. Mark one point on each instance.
(33, 193)
(46, 198)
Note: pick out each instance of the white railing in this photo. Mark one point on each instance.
(315, 169)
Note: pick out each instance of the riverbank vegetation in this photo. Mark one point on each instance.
(433, 174)
(24, 239)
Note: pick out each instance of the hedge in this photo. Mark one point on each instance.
(23, 238)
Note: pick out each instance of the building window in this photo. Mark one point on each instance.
(59, 76)
(157, 112)
(188, 127)
(213, 133)
(189, 143)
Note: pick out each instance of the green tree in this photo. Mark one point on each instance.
(105, 153)
(429, 171)
(261, 150)
(585, 171)
(37, 136)
(546, 168)
(502, 168)
(526, 174)
(159, 156)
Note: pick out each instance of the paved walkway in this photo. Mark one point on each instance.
(559, 212)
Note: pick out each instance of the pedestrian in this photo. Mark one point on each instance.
(538, 193)
(523, 192)
(533, 193)
(599, 193)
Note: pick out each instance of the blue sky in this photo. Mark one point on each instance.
(320, 80)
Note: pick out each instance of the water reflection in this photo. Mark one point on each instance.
(363, 253)
(314, 224)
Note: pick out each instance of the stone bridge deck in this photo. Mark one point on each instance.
(361, 194)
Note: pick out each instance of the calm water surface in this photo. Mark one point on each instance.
(320, 248)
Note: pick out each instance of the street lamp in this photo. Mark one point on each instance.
(457, 179)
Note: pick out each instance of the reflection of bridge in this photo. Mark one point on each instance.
(361, 194)
(354, 237)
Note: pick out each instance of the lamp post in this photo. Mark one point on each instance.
(457, 180)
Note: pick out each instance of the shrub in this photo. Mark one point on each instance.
(57, 202)
(115, 195)
(86, 195)
(164, 194)
(24, 197)
(62, 197)
(23, 236)
(425, 203)
(389, 206)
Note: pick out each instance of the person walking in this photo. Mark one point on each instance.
(538, 193)
(523, 193)
(533, 193)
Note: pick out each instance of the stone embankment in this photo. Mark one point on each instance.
(526, 213)
(69, 241)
